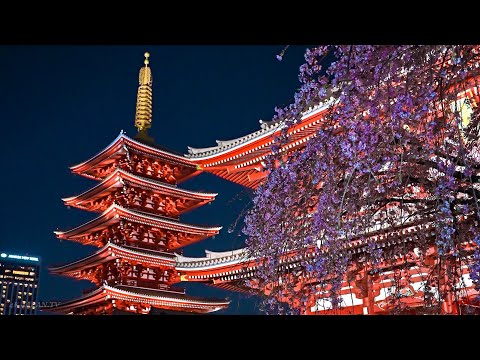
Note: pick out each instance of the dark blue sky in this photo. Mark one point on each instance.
(59, 105)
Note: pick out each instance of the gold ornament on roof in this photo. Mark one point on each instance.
(143, 114)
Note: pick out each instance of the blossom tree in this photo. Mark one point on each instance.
(398, 146)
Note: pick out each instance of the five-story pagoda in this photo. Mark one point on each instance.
(138, 229)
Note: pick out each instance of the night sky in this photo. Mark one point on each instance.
(60, 105)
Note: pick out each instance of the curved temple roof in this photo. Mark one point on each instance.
(266, 128)
(115, 211)
(212, 259)
(112, 251)
(270, 127)
(241, 160)
(120, 144)
(155, 298)
(119, 176)
(230, 265)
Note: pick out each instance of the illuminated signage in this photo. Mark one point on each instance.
(19, 257)
(19, 272)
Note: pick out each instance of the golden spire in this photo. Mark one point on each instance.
(143, 114)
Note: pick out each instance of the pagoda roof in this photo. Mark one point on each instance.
(212, 260)
(216, 267)
(241, 160)
(156, 298)
(113, 214)
(219, 267)
(119, 176)
(267, 128)
(119, 146)
(112, 251)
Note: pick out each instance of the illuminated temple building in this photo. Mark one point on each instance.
(370, 292)
(138, 228)
(139, 233)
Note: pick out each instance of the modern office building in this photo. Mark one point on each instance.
(19, 275)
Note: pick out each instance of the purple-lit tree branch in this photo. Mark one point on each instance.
(397, 146)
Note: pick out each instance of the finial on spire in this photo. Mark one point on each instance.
(143, 115)
(145, 76)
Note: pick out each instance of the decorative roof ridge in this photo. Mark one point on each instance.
(155, 217)
(163, 184)
(178, 156)
(166, 255)
(266, 124)
(266, 128)
(219, 254)
(139, 251)
(192, 150)
(152, 217)
(141, 178)
(122, 136)
(218, 258)
(108, 246)
(230, 144)
(180, 297)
